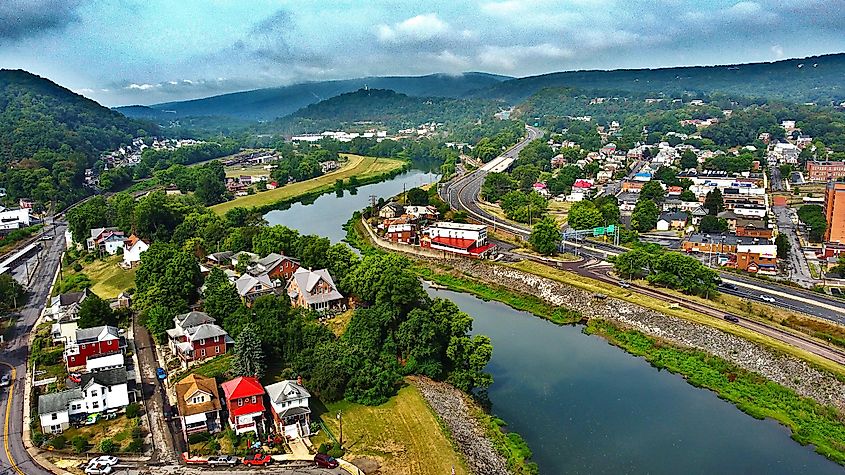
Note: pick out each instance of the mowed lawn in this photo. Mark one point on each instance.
(356, 165)
(109, 278)
(402, 434)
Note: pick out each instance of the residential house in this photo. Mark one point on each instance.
(428, 213)
(243, 256)
(245, 402)
(672, 220)
(11, 219)
(91, 343)
(250, 287)
(67, 304)
(391, 210)
(314, 290)
(755, 228)
(199, 405)
(756, 258)
(275, 266)
(220, 259)
(133, 247)
(107, 240)
(103, 391)
(402, 232)
(195, 337)
(291, 414)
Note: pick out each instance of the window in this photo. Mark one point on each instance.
(202, 352)
(202, 342)
(240, 402)
(94, 393)
(95, 405)
(55, 415)
(253, 399)
(217, 349)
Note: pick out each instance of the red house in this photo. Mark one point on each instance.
(90, 343)
(245, 401)
(276, 266)
(196, 337)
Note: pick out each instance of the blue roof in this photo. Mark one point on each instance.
(643, 174)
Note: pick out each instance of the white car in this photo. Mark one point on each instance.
(766, 298)
(105, 460)
(5, 380)
(98, 469)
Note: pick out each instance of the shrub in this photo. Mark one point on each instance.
(38, 438)
(58, 442)
(336, 451)
(137, 432)
(214, 446)
(133, 410)
(77, 267)
(79, 443)
(324, 448)
(135, 446)
(107, 446)
(198, 437)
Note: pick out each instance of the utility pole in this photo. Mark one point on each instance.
(340, 418)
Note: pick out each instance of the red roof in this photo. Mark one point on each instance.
(242, 386)
(582, 184)
(454, 242)
(477, 251)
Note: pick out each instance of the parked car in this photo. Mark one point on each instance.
(731, 318)
(104, 459)
(728, 285)
(624, 284)
(92, 419)
(98, 469)
(219, 460)
(766, 298)
(161, 374)
(325, 461)
(6, 380)
(258, 460)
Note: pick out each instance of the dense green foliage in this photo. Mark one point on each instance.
(94, 312)
(49, 136)
(810, 422)
(645, 215)
(666, 269)
(524, 207)
(11, 293)
(545, 236)
(813, 217)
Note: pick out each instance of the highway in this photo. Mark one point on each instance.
(13, 360)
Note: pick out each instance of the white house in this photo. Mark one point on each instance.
(104, 391)
(133, 247)
(11, 219)
(291, 413)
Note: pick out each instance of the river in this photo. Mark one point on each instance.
(583, 405)
(327, 214)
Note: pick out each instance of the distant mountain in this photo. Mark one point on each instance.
(386, 107)
(50, 135)
(268, 104)
(819, 79)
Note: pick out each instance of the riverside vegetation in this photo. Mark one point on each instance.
(810, 422)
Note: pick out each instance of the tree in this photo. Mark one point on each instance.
(783, 246)
(249, 357)
(813, 216)
(12, 294)
(545, 236)
(496, 185)
(712, 224)
(714, 203)
(94, 312)
(417, 197)
(279, 239)
(689, 160)
(653, 191)
(220, 298)
(688, 195)
(645, 215)
(584, 215)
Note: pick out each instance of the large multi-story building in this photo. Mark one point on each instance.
(834, 210)
(825, 171)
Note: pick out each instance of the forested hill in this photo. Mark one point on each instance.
(382, 106)
(819, 79)
(49, 135)
(271, 103)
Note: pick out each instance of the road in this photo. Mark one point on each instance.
(14, 358)
(799, 269)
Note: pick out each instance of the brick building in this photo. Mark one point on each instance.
(825, 171)
(834, 210)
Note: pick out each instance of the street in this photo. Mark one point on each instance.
(799, 270)
(14, 358)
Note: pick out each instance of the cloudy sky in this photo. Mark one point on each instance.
(148, 51)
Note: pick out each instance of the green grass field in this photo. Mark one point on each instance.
(109, 278)
(403, 435)
(356, 165)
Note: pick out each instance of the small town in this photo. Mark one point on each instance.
(492, 238)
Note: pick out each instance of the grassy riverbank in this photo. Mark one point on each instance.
(365, 170)
(810, 422)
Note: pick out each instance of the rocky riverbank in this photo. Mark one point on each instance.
(786, 370)
(453, 408)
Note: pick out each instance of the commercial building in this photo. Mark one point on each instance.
(825, 171)
(460, 238)
(834, 210)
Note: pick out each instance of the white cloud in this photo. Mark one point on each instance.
(141, 87)
(509, 57)
(777, 50)
(414, 29)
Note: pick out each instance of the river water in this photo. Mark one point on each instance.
(585, 406)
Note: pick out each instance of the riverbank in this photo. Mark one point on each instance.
(364, 170)
(770, 384)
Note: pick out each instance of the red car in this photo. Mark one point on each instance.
(325, 461)
(258, 460)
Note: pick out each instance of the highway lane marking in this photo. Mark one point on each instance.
(786, 296)
(8, 415)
